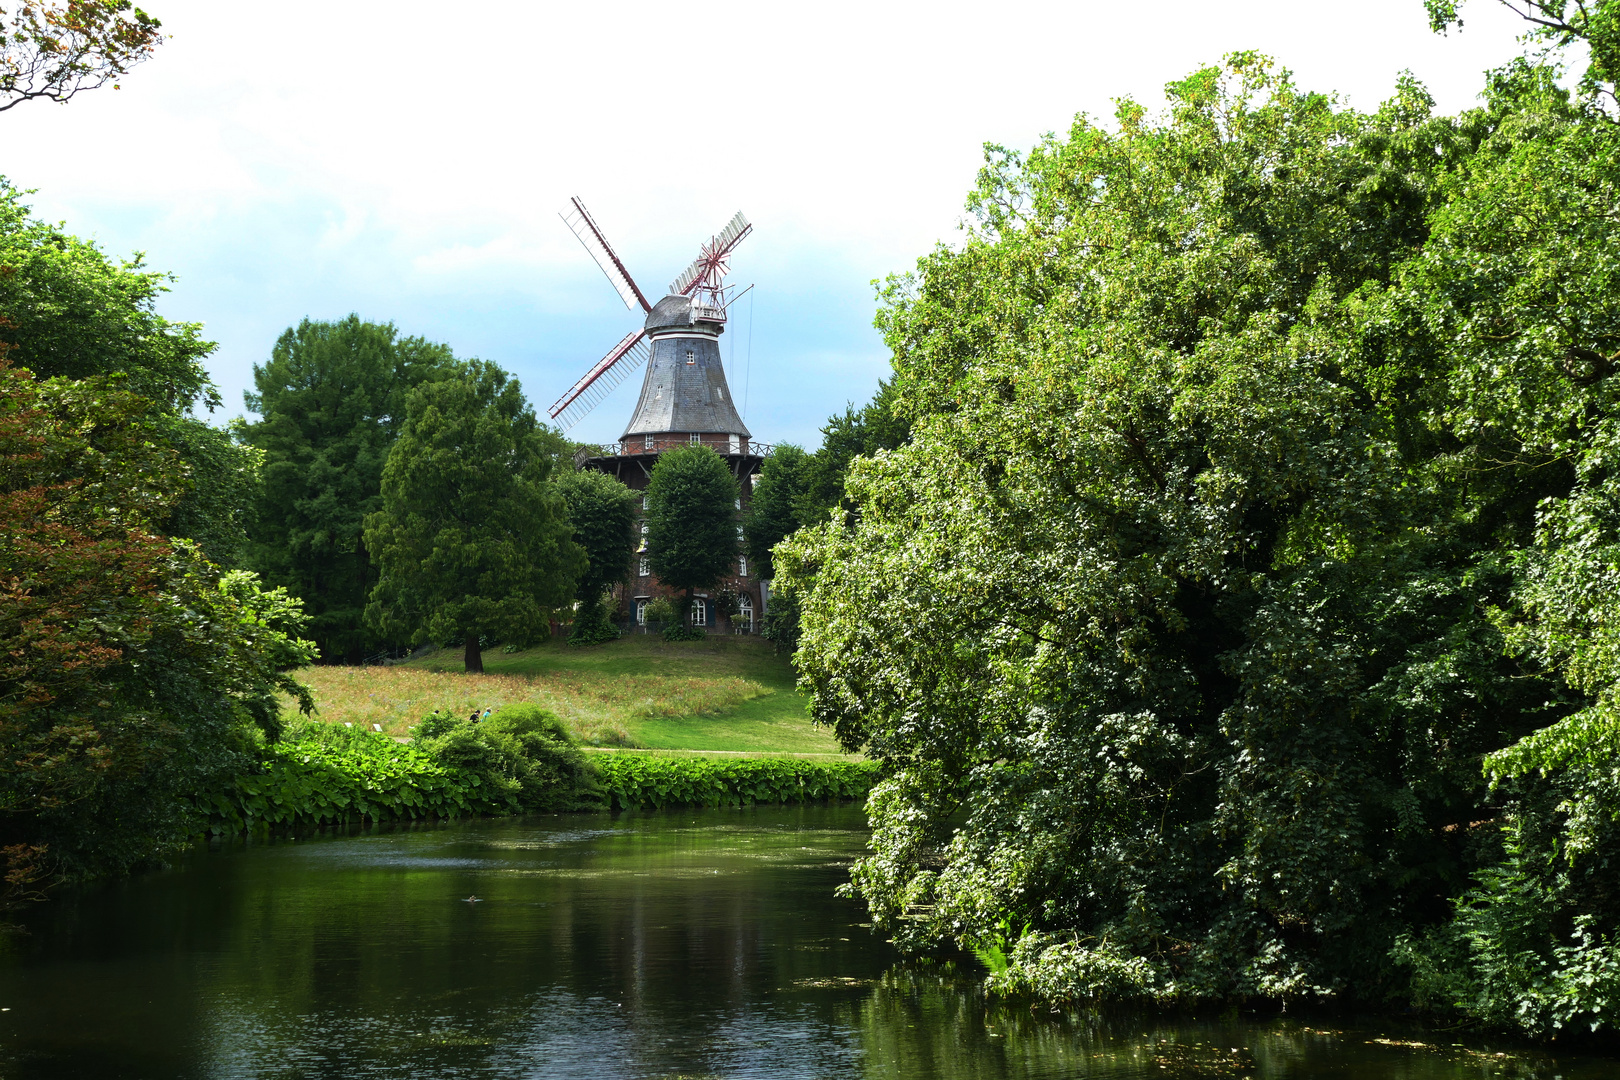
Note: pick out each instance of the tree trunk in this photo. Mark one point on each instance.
(686, 609)
(473, 662)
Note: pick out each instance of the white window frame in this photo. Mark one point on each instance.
(745, 611)
(736, 444)
(691, 356)
(700, 612)
(646, 566)
(647, 444)
(697, 438)
(641, 612)
(742, 566)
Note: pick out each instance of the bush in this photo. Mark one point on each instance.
(681, 632)
(592, 625)
(518, 760)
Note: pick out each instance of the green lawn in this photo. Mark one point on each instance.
(774, 722)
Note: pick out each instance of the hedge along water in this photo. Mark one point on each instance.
(518, 761)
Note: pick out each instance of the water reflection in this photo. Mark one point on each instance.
(644, 946)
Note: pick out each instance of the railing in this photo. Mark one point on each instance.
(639, 446)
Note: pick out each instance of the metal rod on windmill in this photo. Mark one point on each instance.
(700, 288)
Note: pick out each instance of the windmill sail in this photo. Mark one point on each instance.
(581, 224)
(601, 380)
(713, 256)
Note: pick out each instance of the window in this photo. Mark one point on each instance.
(644, 502)
(641, 612)
(700, 613)
(737, 503)
(720, 392)
(697, 439)
(736, 444)
(739, 534)
(643, 528)
(742, 566)
(691, 357)
(648, 445)
(646, 567)
(745, 613)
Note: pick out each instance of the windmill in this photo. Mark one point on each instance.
(684, 396)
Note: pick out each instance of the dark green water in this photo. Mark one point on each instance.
(696, 945)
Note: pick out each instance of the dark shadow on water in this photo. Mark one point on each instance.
(638, 945)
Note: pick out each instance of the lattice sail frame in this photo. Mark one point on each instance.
(622, 361)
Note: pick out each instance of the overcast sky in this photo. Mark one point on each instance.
(406, 161)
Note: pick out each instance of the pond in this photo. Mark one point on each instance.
(704, 944)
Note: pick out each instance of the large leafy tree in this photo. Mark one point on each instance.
(473, 538)
(331, 401)
(132, 672)
(68, 311)
(1170, 621)
(774, 508)
(854, 434)
(691, 525)
(602, 512)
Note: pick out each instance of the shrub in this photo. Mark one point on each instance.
(636, 780)
(592, 625)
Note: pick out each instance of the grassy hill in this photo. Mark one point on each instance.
(722, 694)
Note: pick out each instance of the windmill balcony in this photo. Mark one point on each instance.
(721, 444)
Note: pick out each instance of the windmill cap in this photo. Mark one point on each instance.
(671, 311)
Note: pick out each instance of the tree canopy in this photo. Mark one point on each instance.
(331, 401)
(602, 512)
(52, 49)
(774, 509)
(473, 538)
(132, 672)
(692, 539)
(1258, 485)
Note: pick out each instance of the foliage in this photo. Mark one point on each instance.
(678, 630)
(602, 512)
(1169, 624)
(69, 311)
(473, 537)
(52, 49)
(878, 426)
(518, 760)
(331, 401)
(134, 671)
(661, 609)
(691, 527)
(592, 625)
(643, 780)
(772, 514)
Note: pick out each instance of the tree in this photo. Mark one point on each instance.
(1169, 624)
(52, 49)
(602, 512)
(331, 401)
(877, 426)
(773, 512)
(691, 525)
(74, 313)
(473, 537)
(133, 674)
(68, 311)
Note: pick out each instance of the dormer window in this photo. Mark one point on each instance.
(648, 445)
(691, 357)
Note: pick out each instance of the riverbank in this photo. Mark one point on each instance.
(519, 761)
(731, 694)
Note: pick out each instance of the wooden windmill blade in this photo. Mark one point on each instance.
(620, 362)
(582, 225)
(712, 258)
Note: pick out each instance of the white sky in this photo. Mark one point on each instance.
(407, 160)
